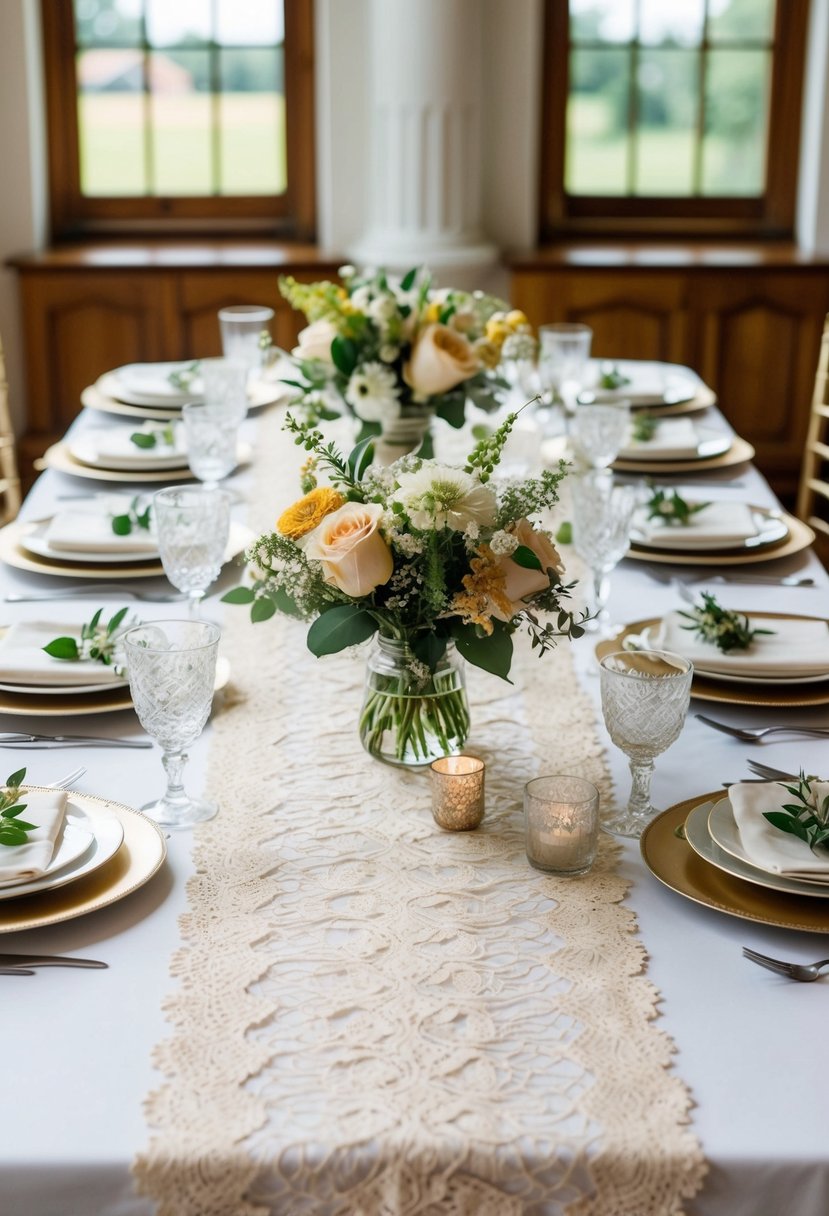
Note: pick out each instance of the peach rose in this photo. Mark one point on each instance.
(519, 582)
(441, 359)
(315, 341)
(354, 556)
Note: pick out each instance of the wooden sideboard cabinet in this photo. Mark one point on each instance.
(87, 309)
(747, 318)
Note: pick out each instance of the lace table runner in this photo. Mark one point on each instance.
(377, 1018)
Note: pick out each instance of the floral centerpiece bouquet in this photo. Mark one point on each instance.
(430, 558)
(396, 352)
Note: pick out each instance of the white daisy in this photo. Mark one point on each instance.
(373, 393)
(439, 496)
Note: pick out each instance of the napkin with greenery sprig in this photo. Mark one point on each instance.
(784, 828)
(28, 841)
(723, 628)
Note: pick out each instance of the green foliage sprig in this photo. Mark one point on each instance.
(807, 818)
(612, 378)
(487, 452)
(98, 642)
(122, 525)
(155, 436)
(671, 508)
(13, 829)
(344, 472)
(182, 378)
(725, 629)
(645, 427)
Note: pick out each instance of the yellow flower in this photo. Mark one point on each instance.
(309, 512)
(432, 313)
(497, 329)
(516, 318)
(483, 592)
(488, 352)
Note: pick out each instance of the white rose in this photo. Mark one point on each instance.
(315, 341)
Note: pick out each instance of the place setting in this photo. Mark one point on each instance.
(665, 389)
(678, 445)
(772, 659)
(669, 528)
(757, 852)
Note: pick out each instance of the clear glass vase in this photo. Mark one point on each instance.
(411, 715)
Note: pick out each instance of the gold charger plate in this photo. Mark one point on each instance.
(739, 452)
(676, 865)
(138, 859)
(800, 537)
(790, 696)
(701, 400)
(93, 399)
(59, 457)
(14, 553)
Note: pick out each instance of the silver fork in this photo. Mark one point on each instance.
(806, 973)
(754, 734)
(111, 589)
(788, 580)
(63, 783)
(770, 774)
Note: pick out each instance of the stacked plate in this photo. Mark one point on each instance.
(34, 683)
(722, 533)
(736, 862)
(663, 388)
(111, 454)
(678, 445)
(103, 852)
(153, 390)
(788, 667)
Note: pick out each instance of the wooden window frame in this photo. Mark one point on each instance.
(770, 216)
(290, 215)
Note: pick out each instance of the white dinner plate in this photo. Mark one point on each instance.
(261, 392)
(650, 641)
(699, 837)
(106, 832)
(35, 542)
(149, 383)
(51, 690)
(710, 443)
(771, 529)
(83, 448)
(72, 844)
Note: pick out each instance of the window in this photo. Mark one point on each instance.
(193, 113)
(677, 117)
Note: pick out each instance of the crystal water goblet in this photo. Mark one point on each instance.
(598, 432)
(193, 525)
(242, 327)
(212, 433)
(224, 382)
(645, 695)
(171, 667)
(602, 519)
(564, 352)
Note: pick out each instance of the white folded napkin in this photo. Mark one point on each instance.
(153, 380)
(114, 446)
(674, 439)
(24, 862)
(24, 661)
(720, 523)
(768, 847)
(798, 647)
(87, 531)
(648, 380)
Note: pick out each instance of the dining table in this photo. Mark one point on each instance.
(103, 1068)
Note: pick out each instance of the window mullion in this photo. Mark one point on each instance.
(149, 174)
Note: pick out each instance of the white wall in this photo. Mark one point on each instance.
(813, 183)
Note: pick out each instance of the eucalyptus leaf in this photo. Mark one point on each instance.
(493, 653)
(344, 353)
(787, 823)
(116, 620)
(339, 627)
(239, 595)
(262, 609)
(16, 779)
(525, 557)
(63, 648)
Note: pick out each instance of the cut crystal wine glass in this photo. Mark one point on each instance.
(599, 432)
(171, 666)
(645, 695)
(192, 524)
(212, 432)
(602, 518)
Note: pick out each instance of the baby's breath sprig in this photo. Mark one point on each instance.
(98, 642)
(807, 817)
(645, 427)
(672, 508)
(486, 453)
(725, 629)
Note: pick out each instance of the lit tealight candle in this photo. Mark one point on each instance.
(562, 824)
(458, 792)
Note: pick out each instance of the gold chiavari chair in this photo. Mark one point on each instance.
(813, 493)
(9, 480)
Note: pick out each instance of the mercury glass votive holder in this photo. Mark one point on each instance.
(561, 816)
(457, 792)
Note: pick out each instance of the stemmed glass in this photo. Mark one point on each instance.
(562, 362)
(599, 432)
(171, 667)
(602, 518)
(224, 382)
(212, 432)
(645, 695)
(193, 525)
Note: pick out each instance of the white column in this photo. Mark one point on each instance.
(813, 185)
(424, 110)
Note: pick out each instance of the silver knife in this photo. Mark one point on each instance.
(21, 740)
(16, 961)
(15, 971)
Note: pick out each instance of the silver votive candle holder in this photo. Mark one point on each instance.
(457, 792)
(561, 815)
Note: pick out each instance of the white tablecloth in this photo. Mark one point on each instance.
(748, 1043)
